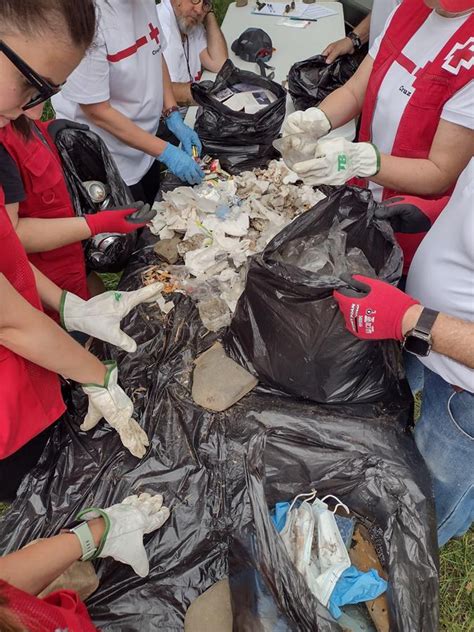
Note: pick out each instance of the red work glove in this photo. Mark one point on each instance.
(118, 220)
(373, 310)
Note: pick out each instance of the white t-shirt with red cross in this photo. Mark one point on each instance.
(397, 86)
(442, 272)
(182, 56)
(123, 66)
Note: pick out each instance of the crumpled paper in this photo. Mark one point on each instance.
(223, 223)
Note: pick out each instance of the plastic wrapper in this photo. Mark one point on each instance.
(219, 474)
(240, 141)
(310, 81)
(86, 158)
(287, 329)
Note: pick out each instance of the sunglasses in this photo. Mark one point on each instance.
(45, 88)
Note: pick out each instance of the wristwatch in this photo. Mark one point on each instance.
(83, 532)
(419, 340)
(355, 39)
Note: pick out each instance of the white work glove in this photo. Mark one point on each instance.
(101, 315)
(125, 526)
(337, 160)
(111, 403)
(312, 121)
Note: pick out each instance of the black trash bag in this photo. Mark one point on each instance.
(310, 81)
(377, 472)
(85, 158)
(205, 464)
(241, 141)
(287, 328)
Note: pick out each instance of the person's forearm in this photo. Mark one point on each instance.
(345, 103)
(169, 100)
(341, 106)
(32, 335)
(34, 567)
(451, 151)
(217, 52)
(363, 29)
(111, 120)
(41, 235)
(182, 93)
(452, 337)
(412, 176)
(49, 293)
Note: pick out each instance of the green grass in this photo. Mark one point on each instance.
(48, 112)
(111, 280)
(456, 585)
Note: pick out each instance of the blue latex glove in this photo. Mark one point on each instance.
(182, 165)
(354, 586)
(183, 132)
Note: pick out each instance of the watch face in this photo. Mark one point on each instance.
(416, 345)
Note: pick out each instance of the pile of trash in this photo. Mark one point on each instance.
(216, 226)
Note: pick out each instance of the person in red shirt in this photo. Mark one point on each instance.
(38, 203)
(41, 43)
(115, 532)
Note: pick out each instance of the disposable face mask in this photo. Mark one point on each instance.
(315, 546)
(332, 556)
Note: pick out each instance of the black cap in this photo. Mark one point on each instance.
(253, 45)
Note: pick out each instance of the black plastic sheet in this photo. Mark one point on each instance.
(310, 81)
(287, 328)
(241, 141)
(219, 473)
(85, 157)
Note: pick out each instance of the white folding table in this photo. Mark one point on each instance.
(291, 44)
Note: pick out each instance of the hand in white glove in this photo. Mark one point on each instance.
(101, 315)
(111, 403)
(337, 160)
(125, 526)
(312, 121)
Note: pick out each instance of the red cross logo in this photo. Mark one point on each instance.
(154, 33)
(460, 56)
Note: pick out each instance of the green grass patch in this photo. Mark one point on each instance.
(456, 585)
(111, 280)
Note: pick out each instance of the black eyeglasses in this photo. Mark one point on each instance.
(45, 88)
(205, 3)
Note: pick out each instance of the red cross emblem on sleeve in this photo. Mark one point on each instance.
(460, 56)
(154, 33)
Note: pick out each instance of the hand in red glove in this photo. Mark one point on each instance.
(372, 309)
(120, 220)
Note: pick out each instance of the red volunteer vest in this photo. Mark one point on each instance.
(47, 197)
(434, 85)
(30, 396)
(61, 610)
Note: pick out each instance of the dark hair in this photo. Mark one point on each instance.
(23, 126)
(32, 16)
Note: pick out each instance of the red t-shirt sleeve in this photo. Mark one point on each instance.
(59, 610)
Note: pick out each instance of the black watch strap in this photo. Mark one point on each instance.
(425, 321)
(355, 39)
